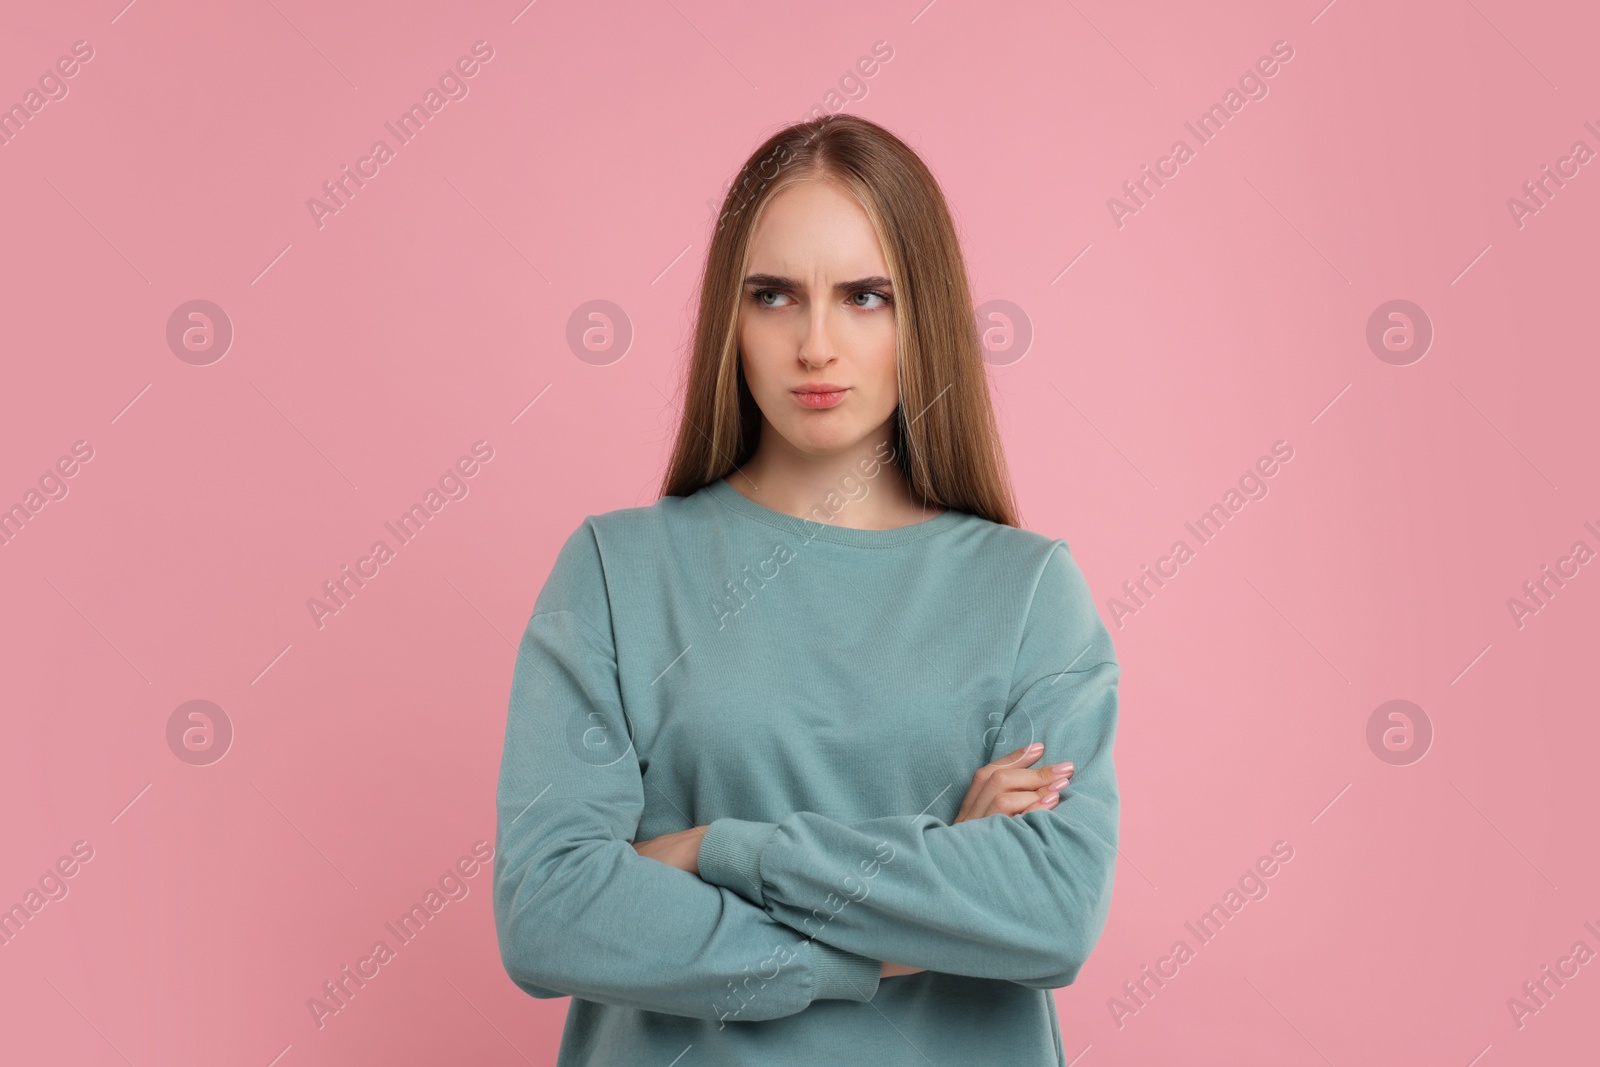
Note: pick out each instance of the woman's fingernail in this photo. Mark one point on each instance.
(1056, 785)
(1050, 801)
(1034, 748)
(1062, 768)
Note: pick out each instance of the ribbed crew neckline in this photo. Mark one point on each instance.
(734, 500)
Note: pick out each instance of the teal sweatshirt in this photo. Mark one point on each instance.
(819, 696)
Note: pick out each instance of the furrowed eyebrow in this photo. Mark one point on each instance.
(777, 281)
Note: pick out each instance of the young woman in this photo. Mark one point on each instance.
(786, 772)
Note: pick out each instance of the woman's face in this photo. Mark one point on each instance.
(817, 309)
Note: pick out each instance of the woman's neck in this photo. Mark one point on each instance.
(873, 491)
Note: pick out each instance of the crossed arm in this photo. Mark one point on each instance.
(1006, 786)
(754, 920)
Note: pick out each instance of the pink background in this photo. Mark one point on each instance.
(1228, 313)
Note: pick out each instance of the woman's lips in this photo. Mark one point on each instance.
(820, 400)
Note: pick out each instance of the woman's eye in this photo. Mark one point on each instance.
(873, 293)
(760, 297)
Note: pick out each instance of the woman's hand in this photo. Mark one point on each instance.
(680, 849)
(1008, 787)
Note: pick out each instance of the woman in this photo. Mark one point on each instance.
(786, 769)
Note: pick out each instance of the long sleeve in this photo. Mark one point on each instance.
(1021, 898)
(578, 912)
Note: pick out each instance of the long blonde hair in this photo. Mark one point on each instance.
(948, 447)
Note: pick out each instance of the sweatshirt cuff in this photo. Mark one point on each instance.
(730, 856)
(840, 975)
